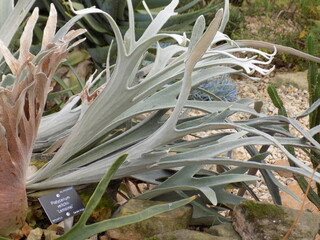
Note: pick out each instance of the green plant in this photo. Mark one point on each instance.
(314, 102)
(314, 92)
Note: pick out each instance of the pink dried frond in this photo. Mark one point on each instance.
(76, 43)
(9, 58)
(21, 109)
(50, 29)
(26, 37)
(73, 34)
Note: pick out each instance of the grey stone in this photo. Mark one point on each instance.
(296, 79)
(254, 220)
(185, 234)
(38, 234)
(166, 222)
(224, 230)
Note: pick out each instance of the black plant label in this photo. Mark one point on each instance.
(62, 204)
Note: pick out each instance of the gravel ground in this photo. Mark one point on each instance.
(296, 102)
(292, 90)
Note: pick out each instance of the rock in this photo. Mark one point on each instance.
(26, 229)
(103, 237)
(35, 234)
(105, 207)
(224, 230)
(39, 234)
(284, 162)
(254, 220)
(162, 223)
(59, 230)
(289, 201)
(94, 237)
(49, 235)
(185, 234)
(296, 79)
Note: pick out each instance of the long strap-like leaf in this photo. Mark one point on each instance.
(82, 231)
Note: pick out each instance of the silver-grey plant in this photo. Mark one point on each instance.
(109, 125)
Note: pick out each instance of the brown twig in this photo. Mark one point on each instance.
(302, 205)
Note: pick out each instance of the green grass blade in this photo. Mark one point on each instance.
(98, 193)
(83, 231)
(81, 84)
(3, 238)
(313, 70)
(137, 217)
(52, 96)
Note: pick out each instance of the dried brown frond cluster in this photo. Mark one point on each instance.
(22, 99)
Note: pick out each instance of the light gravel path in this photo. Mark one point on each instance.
(292, 90)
